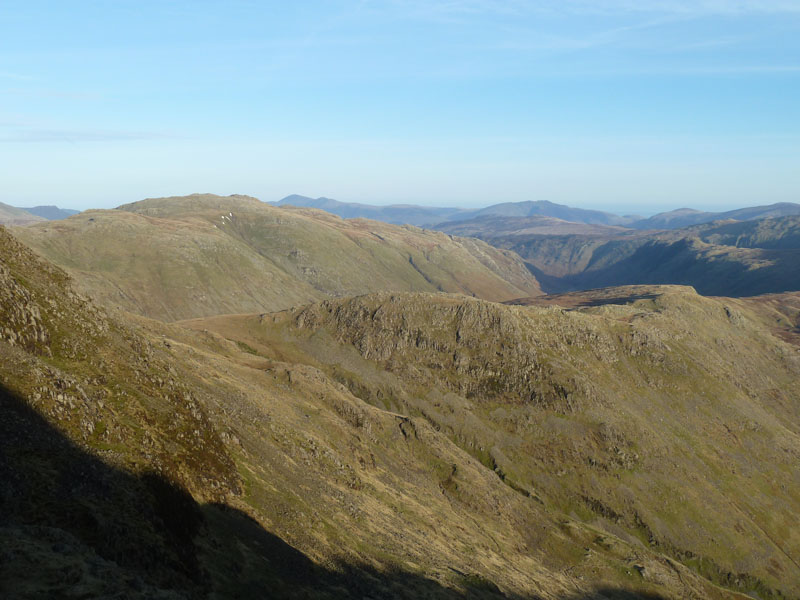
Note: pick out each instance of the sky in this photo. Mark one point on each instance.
(623, 105)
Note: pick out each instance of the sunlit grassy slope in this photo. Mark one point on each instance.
(200, 255)
(649, 413)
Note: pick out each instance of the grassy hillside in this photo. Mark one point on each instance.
(178, 258)
(524, 226)
(651, 414)
(146, 460)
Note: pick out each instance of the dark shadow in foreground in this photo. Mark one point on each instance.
(73, 526)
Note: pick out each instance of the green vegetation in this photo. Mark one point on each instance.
(611, 409)
(180, 258)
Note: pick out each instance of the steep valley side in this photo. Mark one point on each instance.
(650, 413)
(726, 258)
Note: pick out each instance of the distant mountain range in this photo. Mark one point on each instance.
(430, 216)
(740, 252)
(492, 225)
(436, 217)
(545, 208)
(12, 215)
(51, 213)
(397, 214)
(443, 218)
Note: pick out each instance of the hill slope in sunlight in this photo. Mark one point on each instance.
(651, 413)
(200, 255)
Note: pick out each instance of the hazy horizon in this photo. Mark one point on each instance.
(617, 106)
(618, 210)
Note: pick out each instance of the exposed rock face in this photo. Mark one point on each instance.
(485, 351)
(451, 337)
(22, 322)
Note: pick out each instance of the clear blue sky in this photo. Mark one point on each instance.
(627, 105)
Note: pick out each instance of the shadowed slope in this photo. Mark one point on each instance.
(72, 525)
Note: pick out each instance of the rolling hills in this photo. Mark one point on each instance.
(177, 258)
(442, 218)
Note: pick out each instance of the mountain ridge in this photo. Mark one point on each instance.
(12, 215)
(686, 217)
(198, 255)
(398, 214)
(51, 212)
(439, 217)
